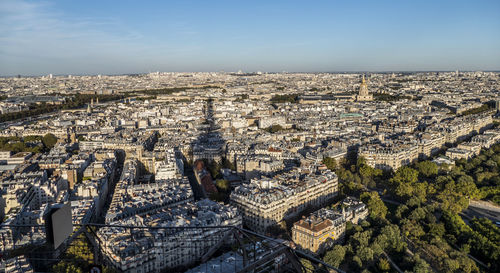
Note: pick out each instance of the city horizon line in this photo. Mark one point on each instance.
(257, 72)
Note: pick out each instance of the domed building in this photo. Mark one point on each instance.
(363, 94)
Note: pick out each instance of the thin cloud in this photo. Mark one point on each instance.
(38, 30)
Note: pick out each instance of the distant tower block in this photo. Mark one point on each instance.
(363, 94)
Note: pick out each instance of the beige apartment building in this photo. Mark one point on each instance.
(325, 227)
(266, 202)
(388, 158)
(313, 233)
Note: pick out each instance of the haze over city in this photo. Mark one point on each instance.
(116, 37)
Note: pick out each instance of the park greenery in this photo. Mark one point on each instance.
(483, 108)
(164, 91)
(49, 140)
(80, 100)
(274, 129)
(389, 97)
(415, 216)
(32, 144)
(72, 102)
(222, 185)
(291, 98)
(144, 98)
(77, 258)
(155, 92)
(484, 171)
(242, 98)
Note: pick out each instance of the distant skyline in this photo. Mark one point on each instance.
(125, 37)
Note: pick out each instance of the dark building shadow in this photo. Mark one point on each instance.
(208, 151)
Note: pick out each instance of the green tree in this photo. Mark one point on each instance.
(490, 164)
(357, 262)
(451, 264)
(390, 238)
(335, 256)
(66, 267)
(406, 174)
(466, 186)
(307, 265)
(383, 265)
(442, 181)
(361, 161)
(366, 171)
(365, 254)
(420, 191)
(451, 200)
(292, 98)
(437, 229)
(375, 205)
(466, 264)
(361, 239)
(330, 163)
(400, 211)
(377, 249)
(49, 140)
(226, 164)
(412, 228)
(417, 214)
(274, 128)
(421, 266)
(222, 184)
(488, 229)
(214, 168)
(32, 138)
(427, 168)
(403, 190)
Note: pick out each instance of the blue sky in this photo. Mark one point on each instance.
(115, 37)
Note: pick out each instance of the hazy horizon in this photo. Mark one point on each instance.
(253, 72)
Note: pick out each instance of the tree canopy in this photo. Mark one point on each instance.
(375, 205)
(330, 163)
(426, 221)
(49, 140)
(427, 168)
